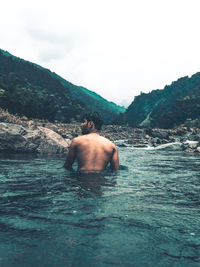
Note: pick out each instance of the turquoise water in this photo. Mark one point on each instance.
(146, 214)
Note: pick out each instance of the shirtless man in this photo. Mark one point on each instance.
(92, 151)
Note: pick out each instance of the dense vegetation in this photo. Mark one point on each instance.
(31, 90)
(165, 108)
(93, 101)
(28, 90)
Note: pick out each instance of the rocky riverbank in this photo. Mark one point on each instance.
(48, 138)
(20, 135)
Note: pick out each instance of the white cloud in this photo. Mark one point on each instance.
(114, 47)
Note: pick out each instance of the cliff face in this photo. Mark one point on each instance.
(168, 107)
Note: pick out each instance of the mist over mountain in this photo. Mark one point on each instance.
(31, 90)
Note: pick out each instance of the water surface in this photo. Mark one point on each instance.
(146, 214)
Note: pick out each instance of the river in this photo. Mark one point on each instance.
(146, 214)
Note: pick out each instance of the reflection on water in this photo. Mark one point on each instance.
(146, 214)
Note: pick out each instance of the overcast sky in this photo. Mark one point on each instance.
(117, 48)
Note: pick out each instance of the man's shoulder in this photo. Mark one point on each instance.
(87, 138)
(109, 142)
(78, 139)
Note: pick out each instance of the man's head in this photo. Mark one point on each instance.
(91, 122)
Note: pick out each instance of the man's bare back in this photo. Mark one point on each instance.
(92, 151)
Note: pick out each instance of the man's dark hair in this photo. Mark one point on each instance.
(95, 118)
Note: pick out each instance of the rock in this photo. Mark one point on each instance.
(172, 139)
(198, 149)
(52, 143)
(190, 146)
(187, 146)
(156, 141)
(19, 139)
(183, 139)
(193, 137)
(140, 146)
(122, 143)
(170, 146)
(181, 131)
(33, 137)
(159, 133)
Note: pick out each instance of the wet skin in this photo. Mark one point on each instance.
(92, 151)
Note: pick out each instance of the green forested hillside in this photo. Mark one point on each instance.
(185, 108)
(93, 101)
(29, 89)
(165, 108)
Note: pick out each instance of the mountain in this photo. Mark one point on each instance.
(165, 108)
(93, 101)
(31, 90)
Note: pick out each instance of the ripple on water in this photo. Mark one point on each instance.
(147, 213)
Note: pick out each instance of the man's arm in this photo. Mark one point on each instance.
(70, 156)
(114, 163)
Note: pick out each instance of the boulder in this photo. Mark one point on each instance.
(170, 146)
(187, 146)
(198, 149)
(190, 146)
(26, 139)
(158, 133)
(122, 143)
(156, 141)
